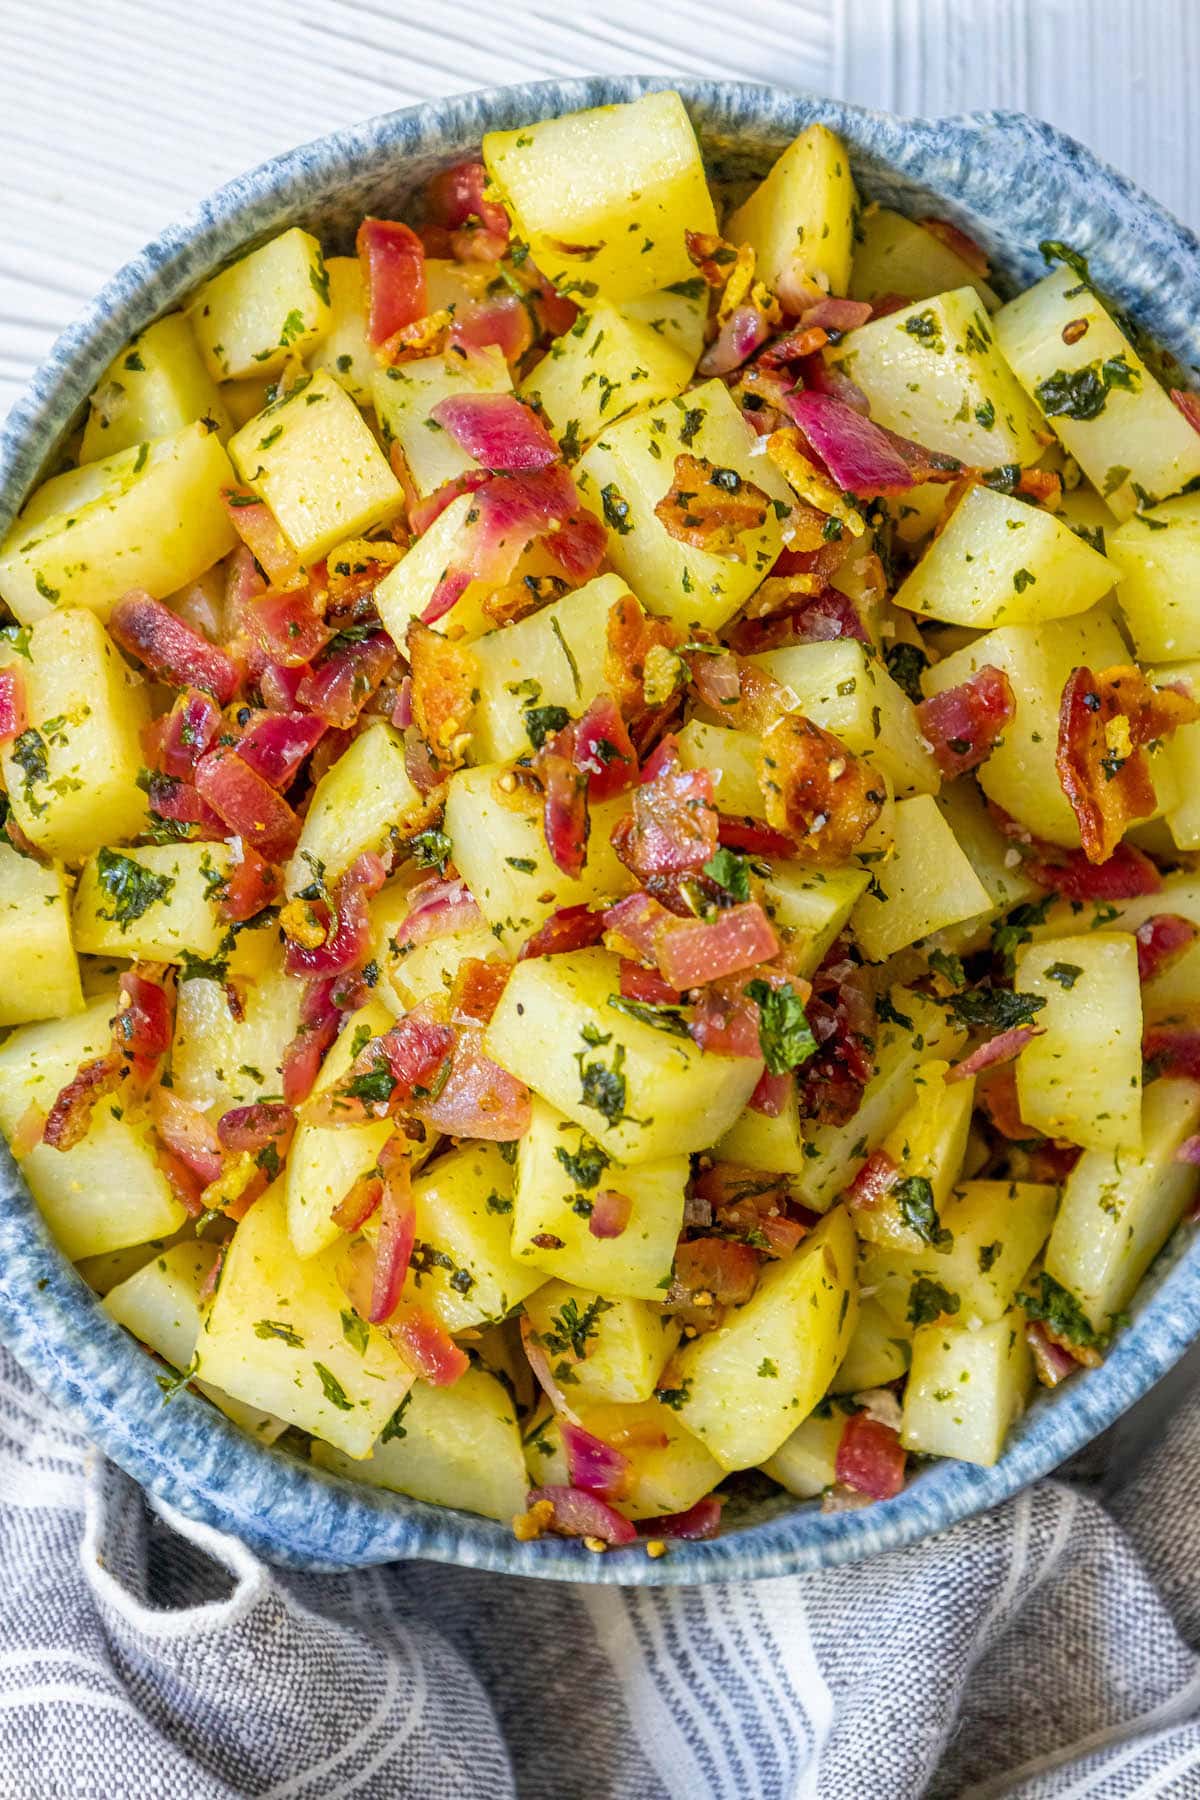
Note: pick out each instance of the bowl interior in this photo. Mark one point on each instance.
(1009, 181)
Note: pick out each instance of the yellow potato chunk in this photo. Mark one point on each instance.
(878, 1351)
(643, 1094)
(560, 1172)
(157, 384)
(926, 884)
(450, 1446)
(987, 1234)
(601, 1349)
(670, 1469)
(1182, 753)
(361, 803)
(39, 971)
(227, 1054)
(405, 394)
(148, 517)
(989, 854)
(1157, 557)
(344, 351)
(800, 218)
(1082, 1078)
(325, 1160)
(933, 373)
(966, 1389)
(281, 1336)
(765, 1141)
(72, 775)
(1106, 407)
(999, 561)
(607, 365)
(750, 1382)
(603, 197)
(158, 901)
(927, 1144)
(810, 907)
(631, 468)
(108, 1191)
(806, 1462)
(731, 757)
(312, 458)
(266, 307)
(894, 255)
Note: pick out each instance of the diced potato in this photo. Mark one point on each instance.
(243, 399)
(604, 197)
(918, 511)
(1119, 1209)
(463, 1269)
(501, 854)
(927, 1144)
(560, 1171)
(266, 307)
(834, 1152)
(800, 217)
(966, 1388)
(1081, 1079)
(810, 907)
(104, 1272)
(427, 971)
(343, 351)
(894, 255)
(631, 468)
(750, 1382)
(1097, 394)
(108, 1191)
(765, 1141)
(1182, 753)
(925, 885)
(361, 803)
(997, 1227)
(989, 854)
(405, 592)
(157, 384)
(555, 657)
(1020, 775)
(643, 1094)
(878, 1351)
(678, 313)
(450, 1446)
(158, 901)
(1157, 557)
(670, 1469)
(731, 757)
(281, 1336)
(842, 688)
(933, 372)
(312, 458)
(806, 1462)
(1177, 985)
(219, 1060)
(160, 1305)
(147, 517)
(999, 561)
(405, 394)
(607, 365)
(325, 1161)
(72, 776)
(601, 1349)
(39, 971)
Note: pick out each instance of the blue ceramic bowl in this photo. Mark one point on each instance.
(1009, 181)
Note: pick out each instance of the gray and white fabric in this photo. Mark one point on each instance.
(1047, 1649)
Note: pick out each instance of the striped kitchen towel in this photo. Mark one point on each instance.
(1048, 1648)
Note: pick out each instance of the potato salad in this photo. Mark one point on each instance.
(598, 794)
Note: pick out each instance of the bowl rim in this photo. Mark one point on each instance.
(195, 1459)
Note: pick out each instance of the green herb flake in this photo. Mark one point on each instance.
(131, 888)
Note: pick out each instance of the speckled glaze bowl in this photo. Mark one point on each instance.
(1009, 181)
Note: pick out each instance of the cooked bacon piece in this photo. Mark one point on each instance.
(673, 826)
(740, 335)
(249, 806)
(833, 314)
(594, 1466)
(703, 1520)
(610, 1214)
(511, 512)
(998, 1098)
(318, 1027)
(631, 635)
(254, 1127)
(181, 802)
(141, 1037)
(692, 953)
(725, 1022)
(862, 457)
(1125, 875)
(772, 1094)
(386, 1073)
(1188, 404)
(570, 1512)
(14, 715)
(262, 535)
(274, 744)
(499, 431)
(478, 1099)
(875, 1179)
(743, 695)
(570, 928)
(396, 1233)
(870, 1457)
(631, 926)
(477, 988)
(752, 1206)
(359, 1202)
(713, 256)
(171, 650)
(476, 230)
(565, 822)
(186, 1134)
(187, 732)
(288, 626)
(802, 619)
(1000, 1049)
(346, 923)
(423, 513)
(711, 1273)
(70, 1116)
(1052, 1360)
(437, 907)
(428, 1348)
(345, 679)
(646, 985)
(962, 725)
(1189, 1152)
(710, 508)
(1160, 940)
(1173, 1048)
(753, 836)
(250, 885)
(392, 258)
(500, 320)
(602, 749)
(1041, 485)
(1105, 723)
(278, 685)
(816, 790)
(444, 678)
(822, 377)
(829, 1086)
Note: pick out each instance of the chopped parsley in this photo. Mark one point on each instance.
(571, 1328)
(131, 888)
(585, 1165)
(730, 871)
(929, 1300)
(616, 509)
(650, 1012)
(431, 849)
(394, 1428)
(914, 1197)
(905, 663)
(335, 1393)
(994, 1009)
(1083, 393)
(276, 1328)
(542, 722)
(1057, 1308)
(784, 1034)
(675, 1397)
(1066, 974)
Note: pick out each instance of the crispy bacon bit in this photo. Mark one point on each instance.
(1188, 404)
(594, 1466)
(1127, 874)
(787, 448)
(574, 1514)
(570, 928)
(397, 1230)
(423, 513)
(816, 790)
(344, 923)
(187, 732)
(964, 247)
(875, 1179)
(631, 635)
(386, 1073)
(253, 1128)
(647, 985)
(437, 907)
(1041, 485)
(250, 885)
(478, 1099)
(703, 1520)
(288, 625)
(477, 988)
(773, 618)
(565, 822)
(445, 680)
(754, 837)
(712, 256)
(1105, 724)
(249, 806)
(610, 1214)
(501, 320)
(141, 1037)
(275, 744)
(69, 1118)
(498, 431)
(862, 457)
(725, 1022)
(710, 508)
(711, 1273)
(602, 749)
(1052, 1361)
(962, 725)
(739, 336)
(459, 221)
(304, 1055)
(14, 715)
(829, 1087)
(673, 826)
(187, 1135)
(1173, 1048)
(998, 1099)
(359, 1202)
(822, 377)
(392, 258)
(691, 953)
(171, 650)
(1160, 940)
(1000, 1049)
(428, 1348)
(772, 1094)
(870, 1457)
(262, 535)
(511, 512)
(833, 314)
(338, 688)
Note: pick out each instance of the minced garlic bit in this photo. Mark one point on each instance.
(595, 1544)
(663, 674)
(531, 1524)
(300, 925)
(655, 1548)
(805, 479)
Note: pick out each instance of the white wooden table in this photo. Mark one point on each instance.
(119, 114)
